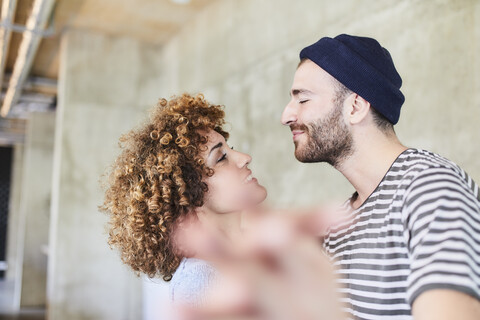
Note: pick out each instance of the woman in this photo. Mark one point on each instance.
(175, 167)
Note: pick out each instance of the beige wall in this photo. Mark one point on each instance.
(35, 208)
(101, 95)
(29, 216)
(241, 53)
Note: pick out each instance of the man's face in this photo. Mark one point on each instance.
(315, 116)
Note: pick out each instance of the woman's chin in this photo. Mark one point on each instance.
(253, 198)
(260, 195)
(265, 193)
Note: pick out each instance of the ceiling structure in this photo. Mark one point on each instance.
(30, 33)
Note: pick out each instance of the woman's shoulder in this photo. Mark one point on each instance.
(191, 281)
(193, 267)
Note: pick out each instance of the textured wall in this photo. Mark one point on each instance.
(241, 53)
(244, 53)
(35, 207)
(101, 95)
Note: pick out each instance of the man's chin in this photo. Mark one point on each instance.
(300, 153)
(301, 157)
(305, 158)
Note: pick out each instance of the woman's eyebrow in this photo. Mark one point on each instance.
(218, 145)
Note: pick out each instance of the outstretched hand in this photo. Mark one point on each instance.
(277, 270)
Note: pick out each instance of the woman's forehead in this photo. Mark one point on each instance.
(213, 137)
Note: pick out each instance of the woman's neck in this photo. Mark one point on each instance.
(227, 224)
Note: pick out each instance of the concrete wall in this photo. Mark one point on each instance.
(244, 53)
(241, 53)
(102, 92)
(25, 284)
(35, 208)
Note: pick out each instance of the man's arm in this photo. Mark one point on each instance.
(443, 304)
(443, 220)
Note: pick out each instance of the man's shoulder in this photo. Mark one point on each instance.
(427, 173)
(420, 159)
(416, 163)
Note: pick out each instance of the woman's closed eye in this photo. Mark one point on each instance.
(223, 157)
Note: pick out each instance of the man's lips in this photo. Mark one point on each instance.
(296, 133)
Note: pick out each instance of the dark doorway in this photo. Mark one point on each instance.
(5, 174)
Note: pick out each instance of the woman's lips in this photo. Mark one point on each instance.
(250, 178)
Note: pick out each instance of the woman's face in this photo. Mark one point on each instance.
(232, 187)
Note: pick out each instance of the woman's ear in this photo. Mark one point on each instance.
(357, 109)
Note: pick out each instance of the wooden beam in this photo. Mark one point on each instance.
(26, 52)
(8, 12)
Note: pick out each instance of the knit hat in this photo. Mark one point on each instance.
(363, 66)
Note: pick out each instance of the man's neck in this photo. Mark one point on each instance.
(369, 163)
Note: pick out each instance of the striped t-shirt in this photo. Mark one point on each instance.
(419, 230)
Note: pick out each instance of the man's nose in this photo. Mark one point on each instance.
(289, 114)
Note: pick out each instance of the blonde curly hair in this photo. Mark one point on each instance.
(157, 179)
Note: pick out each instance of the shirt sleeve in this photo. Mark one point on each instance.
(442, 220)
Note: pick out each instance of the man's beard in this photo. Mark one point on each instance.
(328, 140)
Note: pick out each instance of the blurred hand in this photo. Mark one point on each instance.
(276, 271)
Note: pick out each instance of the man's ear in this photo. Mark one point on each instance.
(357, 109)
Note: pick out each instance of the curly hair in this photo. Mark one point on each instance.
(157, 179)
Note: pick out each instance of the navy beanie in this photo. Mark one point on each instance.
(362, 65)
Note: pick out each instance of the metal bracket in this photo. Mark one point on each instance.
(20, 28)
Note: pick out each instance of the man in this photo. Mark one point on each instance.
(411, 243)
(408, 241)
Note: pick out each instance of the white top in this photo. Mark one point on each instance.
(191, 281)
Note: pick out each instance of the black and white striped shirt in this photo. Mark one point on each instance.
(419, 230)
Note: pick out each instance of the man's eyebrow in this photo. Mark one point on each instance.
(218, 145)
(296, 92)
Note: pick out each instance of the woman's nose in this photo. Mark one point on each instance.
(242, 159)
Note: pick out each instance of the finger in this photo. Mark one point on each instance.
(314, 221)
(199, 314)
(311, 276)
